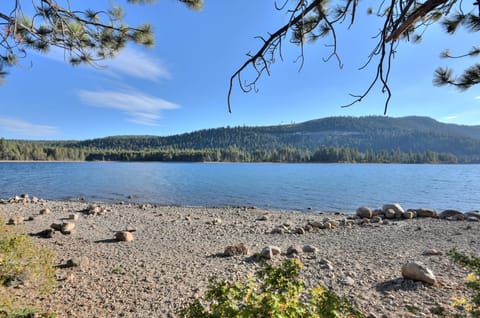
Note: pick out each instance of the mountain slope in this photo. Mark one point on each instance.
(415, 134)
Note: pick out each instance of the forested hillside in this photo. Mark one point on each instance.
(334, 139)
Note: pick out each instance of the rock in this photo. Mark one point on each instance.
(426, 213)
(377, 212)
(48, 233)
(16, 220)
(82, 262)
(431, 252)
(299, 230)
(215, 221)
(472, 219)
(264, 217)
(473, 214)
(409, 215)
(326, 264)
(130, 228)
(364, 212)
(294, 249)
(316, 224)
(35, 200)
(124, 236)
(309, 249)
(234, 250)
(419, 272)
(45, 211)
(308, 228)
(94, 210)
(453, 214)
(56, 226)
(332, 224)
(269, 252)
(364, 221)
(389, 213)
(67, 227)
(376, 219)
(347, 281)
(73, 217)
(280, 230)
(395, 207)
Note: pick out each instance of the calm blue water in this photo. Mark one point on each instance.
(322, 187)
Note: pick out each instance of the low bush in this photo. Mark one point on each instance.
(472, 263)
(275, 291)
(22, 262)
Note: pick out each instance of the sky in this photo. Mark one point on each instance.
(181, 84)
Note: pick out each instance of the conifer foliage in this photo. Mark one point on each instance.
(85, 35)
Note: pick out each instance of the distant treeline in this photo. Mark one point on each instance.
(24, 150)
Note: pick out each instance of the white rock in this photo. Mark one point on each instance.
(270, 251)
(419, 272)
(395, 207)
(45, 211)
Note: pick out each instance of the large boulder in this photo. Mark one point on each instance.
(395, 207)
(364, 212)
(419, 272)
(410, 214)
(426, 213)
(452, 214)
(473, 215)
(389, 213)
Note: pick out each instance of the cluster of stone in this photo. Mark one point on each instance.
(395, 211)
(22, 198)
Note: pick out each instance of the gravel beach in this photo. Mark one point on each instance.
(175, 250)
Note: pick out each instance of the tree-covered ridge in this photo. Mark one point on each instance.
(333, 139)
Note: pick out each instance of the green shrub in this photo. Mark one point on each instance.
(22, 261)
(472, 306)
(274, 292)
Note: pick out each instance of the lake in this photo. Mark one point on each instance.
(319, 187)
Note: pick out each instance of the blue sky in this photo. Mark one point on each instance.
(181, 84)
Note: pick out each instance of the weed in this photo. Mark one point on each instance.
(273, 292)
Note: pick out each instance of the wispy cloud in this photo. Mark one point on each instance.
(477, 97)
(141, 108)
(26, 128)
(130, 61)
(135, 63)
(451, 117)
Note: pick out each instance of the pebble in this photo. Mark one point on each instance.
(234, 250)
(124, 236)
(45, 211)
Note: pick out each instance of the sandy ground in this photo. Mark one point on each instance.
(177, 249)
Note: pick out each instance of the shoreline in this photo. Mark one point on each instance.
(244, 162)
(177, 249)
